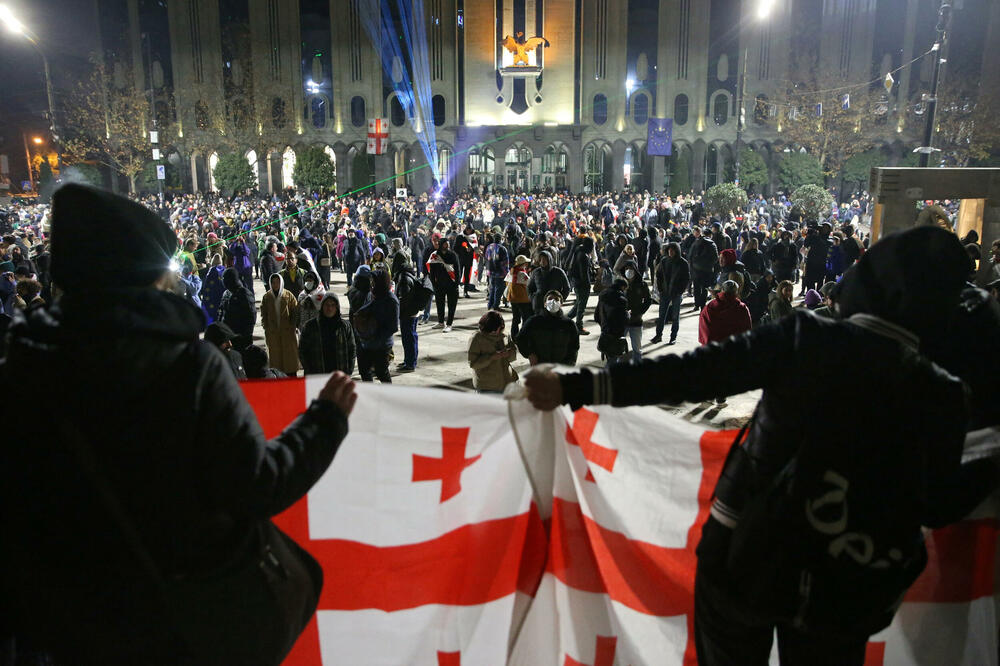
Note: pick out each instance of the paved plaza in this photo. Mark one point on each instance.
(443, 357)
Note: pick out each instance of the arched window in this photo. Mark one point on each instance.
(437, 108)
(680, 109)
(481, 161)
(517, 155)
(318, 107)
(278, 118)
(600, 109)
(396, 114)
(641, 105)
(358, 111)
(720, 109)
(444, 163)
(287, 167)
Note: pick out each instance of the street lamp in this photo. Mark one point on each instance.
(37, 140)
(763, 11)
(16, 27)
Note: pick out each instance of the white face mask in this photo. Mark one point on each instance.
(552, 305)
(630, 274)
(310, 286)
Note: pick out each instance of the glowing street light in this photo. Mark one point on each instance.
(37, 140)
(10, 21)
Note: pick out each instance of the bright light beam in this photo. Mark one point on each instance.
(764, 9)
(10, 21)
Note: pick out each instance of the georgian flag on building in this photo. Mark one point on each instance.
(457, 529)
(378, 136)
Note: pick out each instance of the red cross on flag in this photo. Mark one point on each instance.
(378, 136)
(459, 529)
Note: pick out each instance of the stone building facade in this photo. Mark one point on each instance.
(313, 72)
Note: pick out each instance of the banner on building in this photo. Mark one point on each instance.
(378, 136)
(659, 136)
(457, 529)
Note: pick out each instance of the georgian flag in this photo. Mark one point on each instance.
(460, 529)
(378, 136)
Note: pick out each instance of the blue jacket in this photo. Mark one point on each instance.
(386, 311)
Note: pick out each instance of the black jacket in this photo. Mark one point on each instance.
(326, 345)
(612, 313)
(238, 310)
(269, 266)
(180, 446)
(703, 255)
(638, 299)
(672, 277)
(552, 338)
(544, 280)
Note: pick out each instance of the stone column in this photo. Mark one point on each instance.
(658, 169)
(574, 169)
(698, 166)
(194, 174)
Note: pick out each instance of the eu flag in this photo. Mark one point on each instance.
(660, 136)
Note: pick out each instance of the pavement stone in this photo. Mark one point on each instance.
(443, 362)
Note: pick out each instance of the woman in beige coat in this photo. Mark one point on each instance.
(490, 353)
(279, 315)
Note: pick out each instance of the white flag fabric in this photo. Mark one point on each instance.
(459, 529)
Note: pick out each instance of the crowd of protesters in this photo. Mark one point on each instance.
(545, 257)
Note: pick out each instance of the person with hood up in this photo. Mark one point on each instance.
(628, 256)
(271, 262)
(378, 262)
(278, 316)
(374, 323)
(673, 275)
(255, 362)
(784, 257)
(190, 284)
(327, 342)
(724, 316)
(399, 255)
(545, 278)
(409, 290)
(812, 300)
(243, 260)
(550, 337)
(490, 353)
(309, 300)
(779, 303)
(896, 463)
(197, 488)
(238, 309)
(730, 265)
(612, 315)
(639, 299)
(355, 253)
(757, 301)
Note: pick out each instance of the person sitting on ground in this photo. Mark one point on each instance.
(812, 300)
(327, 342)
(550, 337)
(222, 337)
(724, 316)
(826, 308)
(490, 354)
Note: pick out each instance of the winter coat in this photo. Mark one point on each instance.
(489, 373)
(327, 344)
(294, 284)
(552, 338)
(724, 316)
(612, 308)
(544, 280)
(444, 268)
(238, 309)
(638, 299)
(195, 489)
(784, 257)
(778, 307)
(269, 265)
(703, 255)
(672, 277)
(242, 259)
(758, 301)
(385, 309)
(754, 261)
(517, 288)
(278, 315)
(309, 305)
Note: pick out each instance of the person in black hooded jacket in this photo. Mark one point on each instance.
(238, 309)
(181, 450)
(897, 462)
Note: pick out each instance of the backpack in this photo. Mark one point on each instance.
(494, 259)
(365, 322)
(418, 297)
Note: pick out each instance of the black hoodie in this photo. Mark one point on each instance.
(180, 447)
(238, 310)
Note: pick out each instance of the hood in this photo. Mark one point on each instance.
(231, 279)
(330, 296)
(893, 281)
(273, 275)
(311, 275)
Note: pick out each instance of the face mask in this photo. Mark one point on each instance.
(552, 305)
(630, 274)
(310, 286)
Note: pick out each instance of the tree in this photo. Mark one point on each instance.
(797, 169)
(968, 128)
(753, 170)
(361, 172)
(44, 175)
(233, 174)
(106, 122)
(314, 170)
(84, 173)
(724, 199)
(680, 178)
(814, 201)
(147, 180)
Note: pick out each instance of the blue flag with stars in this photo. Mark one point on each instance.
(660, 136)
